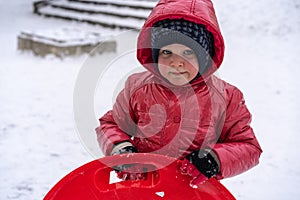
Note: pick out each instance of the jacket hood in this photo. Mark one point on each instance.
(197, 11)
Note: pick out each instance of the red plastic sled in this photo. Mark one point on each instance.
(92, 182)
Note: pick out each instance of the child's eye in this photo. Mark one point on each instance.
(188, 52)
(166, 52)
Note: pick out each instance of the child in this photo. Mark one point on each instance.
(178, 107)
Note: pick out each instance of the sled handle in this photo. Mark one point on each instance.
(158, 164)
(160, 161)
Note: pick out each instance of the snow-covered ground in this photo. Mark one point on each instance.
(38, 139)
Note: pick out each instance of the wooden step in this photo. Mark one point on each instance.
(136, 4)
(64, 42)
(107, 9)
(126, 14)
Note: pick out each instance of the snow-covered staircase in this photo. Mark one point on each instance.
(128, 14)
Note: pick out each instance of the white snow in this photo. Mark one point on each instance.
(148, 4)
(109, 9)
(95, 18)
(64, 36)
(38, 139)
(161, 194)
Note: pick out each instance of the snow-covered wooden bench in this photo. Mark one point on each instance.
(64, 42)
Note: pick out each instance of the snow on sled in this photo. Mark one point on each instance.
(92, 182)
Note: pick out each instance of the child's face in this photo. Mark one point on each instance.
(178, 64)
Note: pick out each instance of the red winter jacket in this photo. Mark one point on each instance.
(158, 117)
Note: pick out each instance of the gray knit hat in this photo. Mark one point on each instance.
(190, 34)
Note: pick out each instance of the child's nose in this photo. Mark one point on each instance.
(177, 61)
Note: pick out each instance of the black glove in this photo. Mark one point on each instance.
(130, 171)
(124, 150)
(204, 162)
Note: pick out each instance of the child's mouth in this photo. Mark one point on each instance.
(178, 73)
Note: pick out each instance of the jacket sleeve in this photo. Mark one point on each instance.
(237, 148)
(117, 125)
